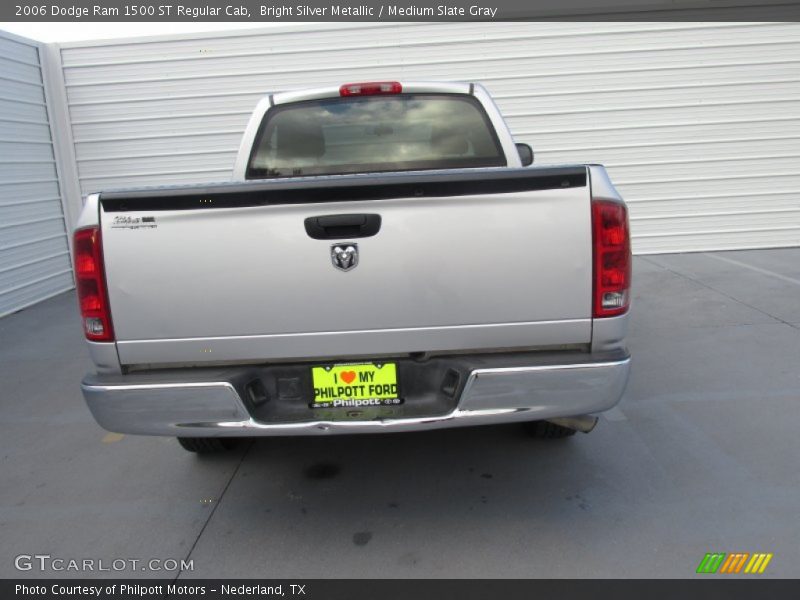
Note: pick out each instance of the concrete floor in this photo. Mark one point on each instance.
(700, 456)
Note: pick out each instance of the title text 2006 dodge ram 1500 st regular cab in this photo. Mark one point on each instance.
(385, 260)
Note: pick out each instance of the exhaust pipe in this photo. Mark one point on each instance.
(584, 423)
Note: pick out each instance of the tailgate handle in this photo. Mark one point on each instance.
(332, 227)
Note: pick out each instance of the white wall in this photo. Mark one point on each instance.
(698, 123)
(34, 250)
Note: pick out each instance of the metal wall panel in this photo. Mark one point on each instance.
(34, 252)
(698, 123)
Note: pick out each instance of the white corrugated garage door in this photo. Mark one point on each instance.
(34, 254)
(698, 123)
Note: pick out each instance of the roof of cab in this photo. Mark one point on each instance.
(408, 87)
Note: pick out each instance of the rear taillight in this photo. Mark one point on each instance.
(91, 284)
(373, 88)
(612, 258)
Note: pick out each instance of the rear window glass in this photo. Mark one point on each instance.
(373, 134)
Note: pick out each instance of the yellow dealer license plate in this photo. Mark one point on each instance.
(348, 386)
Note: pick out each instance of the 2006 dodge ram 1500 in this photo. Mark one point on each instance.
(386, 260)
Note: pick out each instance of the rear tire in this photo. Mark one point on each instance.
(548, 431)
(208, 445)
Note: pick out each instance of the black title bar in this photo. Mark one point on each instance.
(259, 11)
(713, 588)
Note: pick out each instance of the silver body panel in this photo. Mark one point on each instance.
(214, 408)
(441, 274)
(345, 344)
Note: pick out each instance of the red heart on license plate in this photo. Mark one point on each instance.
(348, 376)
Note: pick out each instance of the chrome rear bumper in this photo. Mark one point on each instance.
(209, 404)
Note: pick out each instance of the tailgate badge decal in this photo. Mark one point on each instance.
(125, 222)
(344, 256)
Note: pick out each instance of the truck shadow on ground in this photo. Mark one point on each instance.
(412, 500)
(443, 475)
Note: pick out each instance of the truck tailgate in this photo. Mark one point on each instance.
(494, 259)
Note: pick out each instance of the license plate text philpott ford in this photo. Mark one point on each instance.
(370, 384)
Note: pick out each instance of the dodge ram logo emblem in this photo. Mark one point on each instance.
(344, 256)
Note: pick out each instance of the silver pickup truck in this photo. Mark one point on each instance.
(386, 259)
